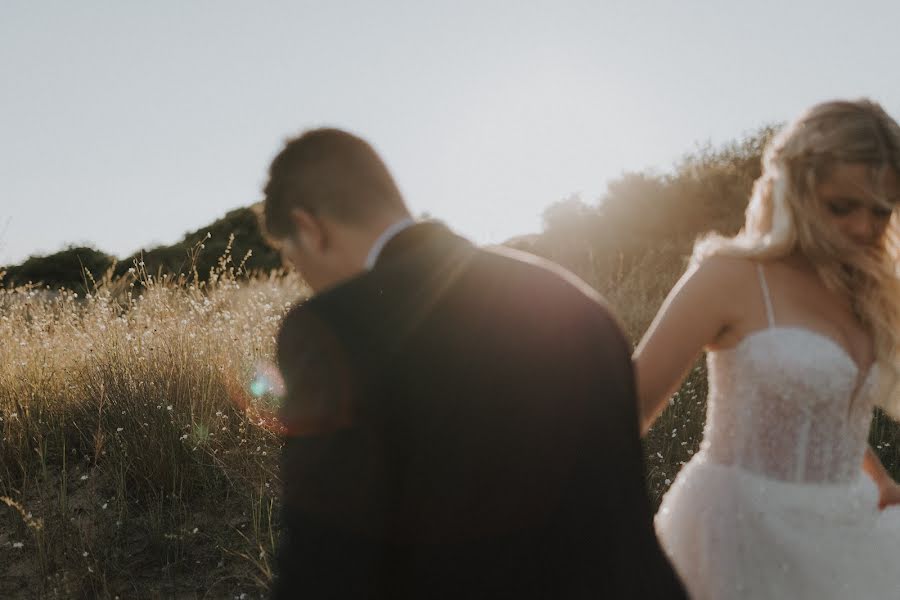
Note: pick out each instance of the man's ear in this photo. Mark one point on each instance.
(310, 230)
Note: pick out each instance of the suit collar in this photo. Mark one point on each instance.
(386, 236)
(416, 237)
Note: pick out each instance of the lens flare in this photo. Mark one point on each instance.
(266, 381)
(259, 386)
(258, 392)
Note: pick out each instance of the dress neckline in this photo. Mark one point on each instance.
(861, 376)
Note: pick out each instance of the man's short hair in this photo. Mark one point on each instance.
(327, 172)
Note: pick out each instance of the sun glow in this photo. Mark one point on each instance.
(518, 142)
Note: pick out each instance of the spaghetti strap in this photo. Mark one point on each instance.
(770, 313)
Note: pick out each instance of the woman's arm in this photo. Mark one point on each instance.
(888, 489)
(700, 308)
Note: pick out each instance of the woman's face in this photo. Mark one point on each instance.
(853, 196)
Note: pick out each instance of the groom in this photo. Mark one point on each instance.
(461, 423)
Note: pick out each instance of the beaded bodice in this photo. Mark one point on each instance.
(790, 404)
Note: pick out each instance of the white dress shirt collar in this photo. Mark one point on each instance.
(386, 236)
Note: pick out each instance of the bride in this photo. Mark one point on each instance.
(800, 316)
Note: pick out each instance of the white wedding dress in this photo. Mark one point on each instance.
(775, 504)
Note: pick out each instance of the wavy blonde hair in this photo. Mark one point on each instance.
(785, 215)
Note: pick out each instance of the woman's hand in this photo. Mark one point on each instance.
(888, 489)
(888, 494)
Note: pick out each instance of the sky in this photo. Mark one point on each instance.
(126, 124)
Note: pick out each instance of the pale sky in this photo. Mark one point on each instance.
(126, 124)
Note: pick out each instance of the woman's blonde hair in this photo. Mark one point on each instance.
(785, 214)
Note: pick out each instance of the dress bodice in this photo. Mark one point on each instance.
(788, 403)
(776, 504)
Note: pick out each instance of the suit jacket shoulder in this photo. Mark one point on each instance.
(318, 377)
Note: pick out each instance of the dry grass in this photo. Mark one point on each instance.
(135, 461)
(138, 459)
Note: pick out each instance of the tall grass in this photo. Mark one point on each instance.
(135, 461)
(138, 458)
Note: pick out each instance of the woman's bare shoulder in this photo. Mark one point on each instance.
(730, 274)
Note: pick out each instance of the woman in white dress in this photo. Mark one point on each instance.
(800, 316)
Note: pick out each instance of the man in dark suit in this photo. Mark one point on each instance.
(461, 423)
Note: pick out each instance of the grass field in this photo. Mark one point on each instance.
(136, 460)
(139, 457)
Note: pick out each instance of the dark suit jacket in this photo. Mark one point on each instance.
(462, 424)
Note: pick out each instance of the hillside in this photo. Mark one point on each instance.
(198, 250)
(633, 242)
(642, 217)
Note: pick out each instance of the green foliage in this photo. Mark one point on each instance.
(72, 268)
(200, 252)
(634, 241)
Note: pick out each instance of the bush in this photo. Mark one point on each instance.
(73, 268)
(195, 257)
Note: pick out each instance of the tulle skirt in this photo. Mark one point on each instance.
(733, 534)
